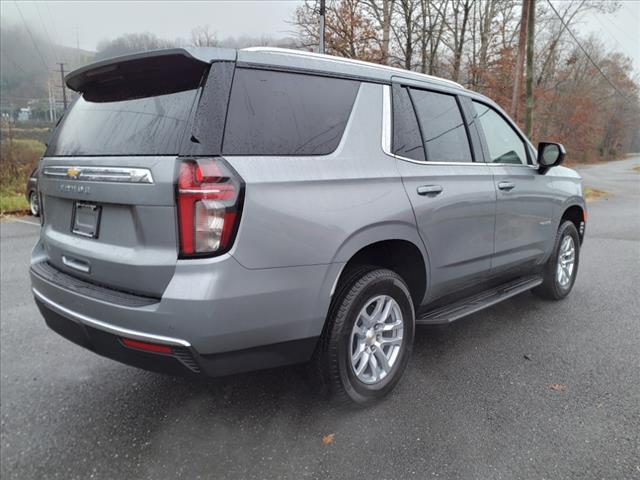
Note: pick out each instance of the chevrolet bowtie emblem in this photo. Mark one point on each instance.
(73, 172)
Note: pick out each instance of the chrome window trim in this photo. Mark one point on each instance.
(100, 174)
(387, 133)
(386, 120)
(107, 327)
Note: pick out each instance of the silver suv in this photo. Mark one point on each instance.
(212, 211)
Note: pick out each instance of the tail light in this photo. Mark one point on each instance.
(148, 347)
(209, 198)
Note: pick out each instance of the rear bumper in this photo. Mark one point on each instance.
(179, 362)
(107, 340)
(221, 317)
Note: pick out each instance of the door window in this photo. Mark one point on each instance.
(504, 144)
(406, 132)
(443, 129)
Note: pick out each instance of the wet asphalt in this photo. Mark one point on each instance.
(526, 389)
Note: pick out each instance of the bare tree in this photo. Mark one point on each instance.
(405, 30)
(432, 15)
(201, 36)
(483, 34)
(349, 30)
(382, 11)
(458, 28)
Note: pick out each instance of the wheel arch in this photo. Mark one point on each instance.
(396, 246)
(577, 214)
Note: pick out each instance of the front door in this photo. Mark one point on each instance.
(524, 209)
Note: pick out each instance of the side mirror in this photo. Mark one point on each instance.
(550, 155)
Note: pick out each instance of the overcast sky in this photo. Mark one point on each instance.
(93, 21)
(88, 22)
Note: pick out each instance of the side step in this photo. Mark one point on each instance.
(477, 302)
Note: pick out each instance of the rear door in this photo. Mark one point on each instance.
(525, 199)
(452, 194)
(108, 177)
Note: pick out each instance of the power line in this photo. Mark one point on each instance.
(606, 30)
(46, 31)
(53, 23)
(13, 62)
(630, 11)
(56, 35)
(584, 51)
(32, 38)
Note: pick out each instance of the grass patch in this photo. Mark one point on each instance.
(26, 146)
(594, 193)
(11, 202)
(18, 157)
(636, 168)
(38, 132)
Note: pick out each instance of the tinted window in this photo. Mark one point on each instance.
(144, 126)
(406, 133)
(276, 113)
(444, 132)
(504, 144)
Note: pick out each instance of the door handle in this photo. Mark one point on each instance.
(506, 186)
(429, 189)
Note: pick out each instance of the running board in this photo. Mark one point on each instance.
(477, 302)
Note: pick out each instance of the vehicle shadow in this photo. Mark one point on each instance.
(251, 410)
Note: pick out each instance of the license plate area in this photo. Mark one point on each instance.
(86, 219)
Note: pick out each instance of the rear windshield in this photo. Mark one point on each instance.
(141, 126)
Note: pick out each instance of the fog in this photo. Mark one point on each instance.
(85, 24)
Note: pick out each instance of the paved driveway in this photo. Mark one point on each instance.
(475, 402)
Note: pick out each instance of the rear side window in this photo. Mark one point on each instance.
(142, 126)
(443, 129)
(277, 113)
(406, 133)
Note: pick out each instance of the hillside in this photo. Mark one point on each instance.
(26, 67)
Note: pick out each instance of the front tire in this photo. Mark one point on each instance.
(561, 269)
(368, 337)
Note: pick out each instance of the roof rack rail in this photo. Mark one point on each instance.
(333, 58)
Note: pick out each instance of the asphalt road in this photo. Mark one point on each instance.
(470, 406)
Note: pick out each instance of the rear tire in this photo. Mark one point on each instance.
(34, 206)
(368, 337)
(561, 269)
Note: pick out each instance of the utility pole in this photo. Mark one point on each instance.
(528, 117)
(64, 86)
(322, 13)
(52, 103)
(519, 69)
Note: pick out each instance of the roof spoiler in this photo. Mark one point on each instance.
(177, 68)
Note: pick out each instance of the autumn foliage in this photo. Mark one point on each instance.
(589, 102)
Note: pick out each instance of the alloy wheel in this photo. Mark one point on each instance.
(566, 261)
(376, 339)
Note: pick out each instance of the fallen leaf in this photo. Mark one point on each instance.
(328, 439)
(558, 387)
